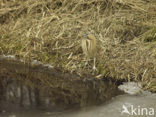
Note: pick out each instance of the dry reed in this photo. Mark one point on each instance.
(50, 31)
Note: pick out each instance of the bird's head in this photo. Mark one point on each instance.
(87, 37)
(90, 37)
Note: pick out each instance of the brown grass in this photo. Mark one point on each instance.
(51, 30)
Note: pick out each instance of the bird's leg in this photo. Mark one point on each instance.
(94, 66)
(86, 63)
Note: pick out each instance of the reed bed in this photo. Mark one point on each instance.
(50, 31)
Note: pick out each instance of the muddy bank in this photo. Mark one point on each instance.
(38, 82)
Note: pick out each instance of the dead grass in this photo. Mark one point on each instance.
(50, 31)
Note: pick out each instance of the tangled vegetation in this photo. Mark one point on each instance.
(50, 31)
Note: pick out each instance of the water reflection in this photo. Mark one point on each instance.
(120, 106)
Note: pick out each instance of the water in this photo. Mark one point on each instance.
(121, 106)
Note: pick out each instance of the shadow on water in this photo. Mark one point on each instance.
(137, 106)
(22, 101)
(34, 83)
(19, 100)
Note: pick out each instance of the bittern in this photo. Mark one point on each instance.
(89, 48)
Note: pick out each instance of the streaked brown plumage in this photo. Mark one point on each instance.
(89, 47)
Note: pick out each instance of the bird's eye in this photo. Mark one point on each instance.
(86, 36)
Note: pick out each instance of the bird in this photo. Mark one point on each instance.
(88, 45)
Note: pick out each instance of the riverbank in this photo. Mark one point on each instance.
(51, 31)
(36, 84)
